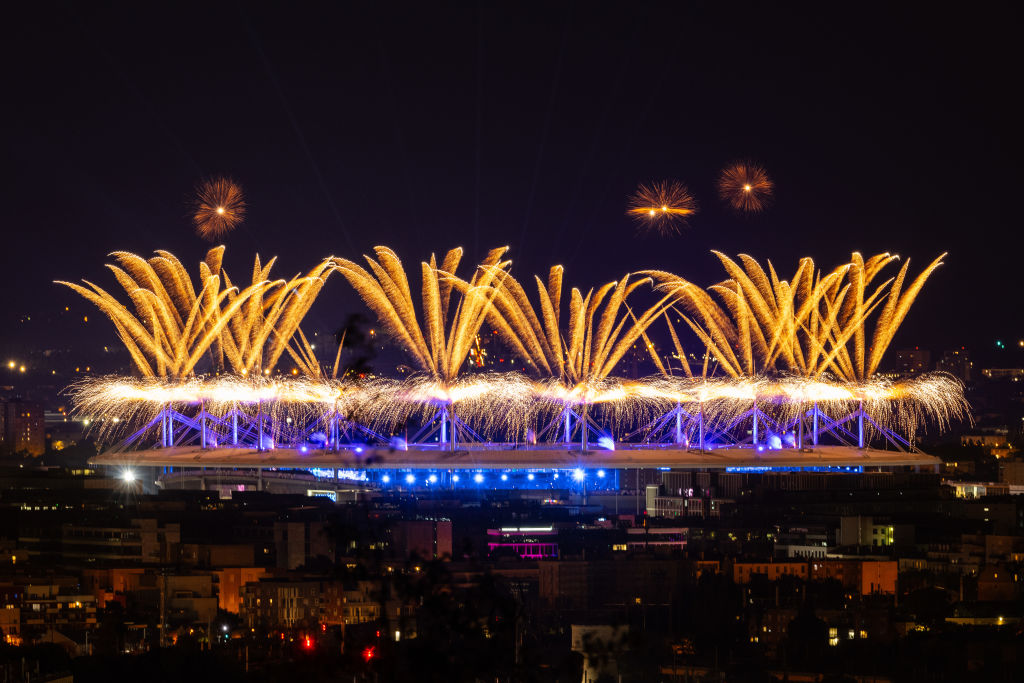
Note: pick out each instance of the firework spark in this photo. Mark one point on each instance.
(220, 207)
(783, 344)
(601, 329)
(176, 324)
(503, 405)
(440, 352)
(810, 325)
(746, 187)
(663, 207)
(117, 404)
(601, 326)
(493, 404)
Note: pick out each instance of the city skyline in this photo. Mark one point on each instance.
(454, 342)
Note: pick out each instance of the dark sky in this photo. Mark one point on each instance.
(355, 124)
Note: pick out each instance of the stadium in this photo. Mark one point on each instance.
(788, 377)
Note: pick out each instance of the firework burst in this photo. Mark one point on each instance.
(504, 405)
(177, 323)
(601, 328)
(813, 324)
(663, 207)
(784, 344)
(745, 187)
(220, 207)
(441, 344)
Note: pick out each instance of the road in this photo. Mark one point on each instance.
(492, 456)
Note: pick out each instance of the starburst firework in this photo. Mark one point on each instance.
(663, 207)
(220, 207)
(746, 187)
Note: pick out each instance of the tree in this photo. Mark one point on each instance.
(359, 346)
(806, 637)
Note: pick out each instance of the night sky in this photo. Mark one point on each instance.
(424, 128)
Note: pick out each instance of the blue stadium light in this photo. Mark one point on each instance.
(478, 478)
(578, 474)
(432, 478)
(455, 478)
(386, 479)
(410, 479)
(530, 476)
(504, 477)
(600, 473)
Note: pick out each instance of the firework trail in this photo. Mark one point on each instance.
(439, 347)
(817, 338)
(267, 324)
(575, 362)
(175, 323)
(601, 327)
(809, 325)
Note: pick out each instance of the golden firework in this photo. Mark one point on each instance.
(576, 361)
(595, 338)
(818, 337)
(663, 207)
(503, 404)
(176, 324)
(745, 187)
(492, 404)
(441, 348)
(220, 207)
(810, 325)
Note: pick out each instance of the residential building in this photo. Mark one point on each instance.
(22, 427)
